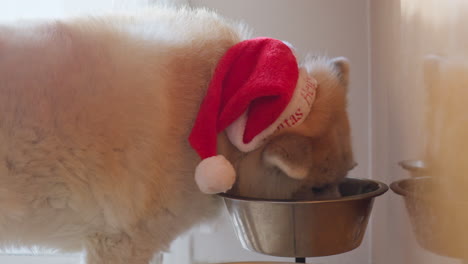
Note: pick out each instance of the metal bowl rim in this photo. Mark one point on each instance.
(396, 188)
(381, 189)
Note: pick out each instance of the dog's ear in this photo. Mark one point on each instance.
(341, 65)
(289, 153)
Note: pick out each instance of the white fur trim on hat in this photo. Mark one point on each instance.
(215, 175)
(294, 114)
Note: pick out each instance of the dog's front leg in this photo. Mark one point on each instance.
(117, 249)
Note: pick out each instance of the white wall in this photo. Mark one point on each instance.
(329, 27)
(390, 222)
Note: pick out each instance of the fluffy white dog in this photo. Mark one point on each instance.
(94, 119)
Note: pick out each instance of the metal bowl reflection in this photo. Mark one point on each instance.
(438, 222)
(287, 228)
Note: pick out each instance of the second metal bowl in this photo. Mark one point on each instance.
(439, 223)
(438, 219)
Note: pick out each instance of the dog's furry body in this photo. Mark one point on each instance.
(94, 120)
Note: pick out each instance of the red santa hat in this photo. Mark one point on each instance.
(257, 89)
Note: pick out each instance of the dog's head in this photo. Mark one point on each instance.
(313, 155)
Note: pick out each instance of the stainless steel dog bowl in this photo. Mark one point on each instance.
(287, 228)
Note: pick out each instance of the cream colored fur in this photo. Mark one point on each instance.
(94, 119)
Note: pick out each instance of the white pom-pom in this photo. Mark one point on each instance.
(215, 175)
